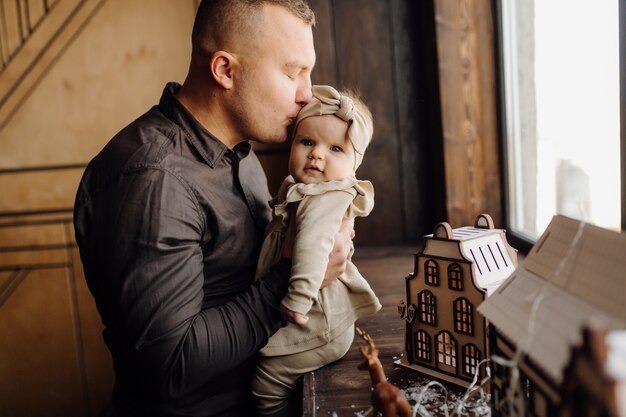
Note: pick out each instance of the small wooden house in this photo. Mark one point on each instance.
(455, 270)
(594, 382)
(574, 275)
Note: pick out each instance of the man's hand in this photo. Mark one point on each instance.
(338, 257)
(293, 317)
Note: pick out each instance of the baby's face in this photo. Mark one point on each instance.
(321, 150)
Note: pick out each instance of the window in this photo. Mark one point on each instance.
(455, 277)
(463, 316)
(561, 109)
(427, 307)
(422, 346)
(432, 272)
(446, 349)
(471, 358)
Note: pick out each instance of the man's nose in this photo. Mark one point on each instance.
(304, 94)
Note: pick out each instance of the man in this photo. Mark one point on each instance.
(170, 216)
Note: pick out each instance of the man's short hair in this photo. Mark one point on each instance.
(217, 20)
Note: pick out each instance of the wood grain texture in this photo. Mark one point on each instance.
(364, 44)
(622, 88)
(466, 78)
(40, 370)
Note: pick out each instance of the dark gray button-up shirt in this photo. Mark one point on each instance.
(169, 223)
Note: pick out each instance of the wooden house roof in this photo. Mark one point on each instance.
(574, 274)
(492, 258)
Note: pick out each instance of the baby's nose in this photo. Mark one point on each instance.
(315, 154)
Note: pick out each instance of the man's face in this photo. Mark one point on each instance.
(274, 81)
(321, 150)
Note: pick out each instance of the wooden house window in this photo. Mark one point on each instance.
(455, 277)
(422, 346)
(471, 358)
(463, 316)
(432, 272)
(427, 308)
(446, 349)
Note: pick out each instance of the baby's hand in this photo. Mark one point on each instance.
(293, 317)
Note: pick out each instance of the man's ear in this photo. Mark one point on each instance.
(222, 66)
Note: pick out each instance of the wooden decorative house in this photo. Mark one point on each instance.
(594, 382)
(574, 275)
(456, 268)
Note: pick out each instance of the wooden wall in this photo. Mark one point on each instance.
(72, 73)
(468, 91)
(385, 49)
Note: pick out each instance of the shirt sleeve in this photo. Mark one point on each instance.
(144, 264)
(318, 219)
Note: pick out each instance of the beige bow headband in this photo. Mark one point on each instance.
(327, 100)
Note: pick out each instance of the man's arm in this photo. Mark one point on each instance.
(144, 264)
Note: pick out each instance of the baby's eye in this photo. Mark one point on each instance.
(306, 142)
(336, 148)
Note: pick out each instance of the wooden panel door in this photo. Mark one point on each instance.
(72, 73)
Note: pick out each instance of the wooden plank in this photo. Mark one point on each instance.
(622, 89)
(38, 349)
(406, 92)
(33, 258)
(24, 19)
(39, 52)
(39, 190)
(29, 54)
(415, 66)
(487, 88)
(363, 44)
(32, 236)
(38, 218)
(468, 109)
(36, 11)
(12, 27)
(325, 71)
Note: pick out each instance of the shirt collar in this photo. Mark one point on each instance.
(208, 146)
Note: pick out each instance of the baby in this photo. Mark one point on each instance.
(330, 136)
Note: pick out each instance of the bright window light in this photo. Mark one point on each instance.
(561, 89)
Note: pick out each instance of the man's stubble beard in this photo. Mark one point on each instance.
(245, 123)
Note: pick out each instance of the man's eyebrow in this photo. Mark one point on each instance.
(298, 65)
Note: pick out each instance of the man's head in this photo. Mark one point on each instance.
(218, 22)
(252, 60)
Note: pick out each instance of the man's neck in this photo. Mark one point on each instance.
(206, 109)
